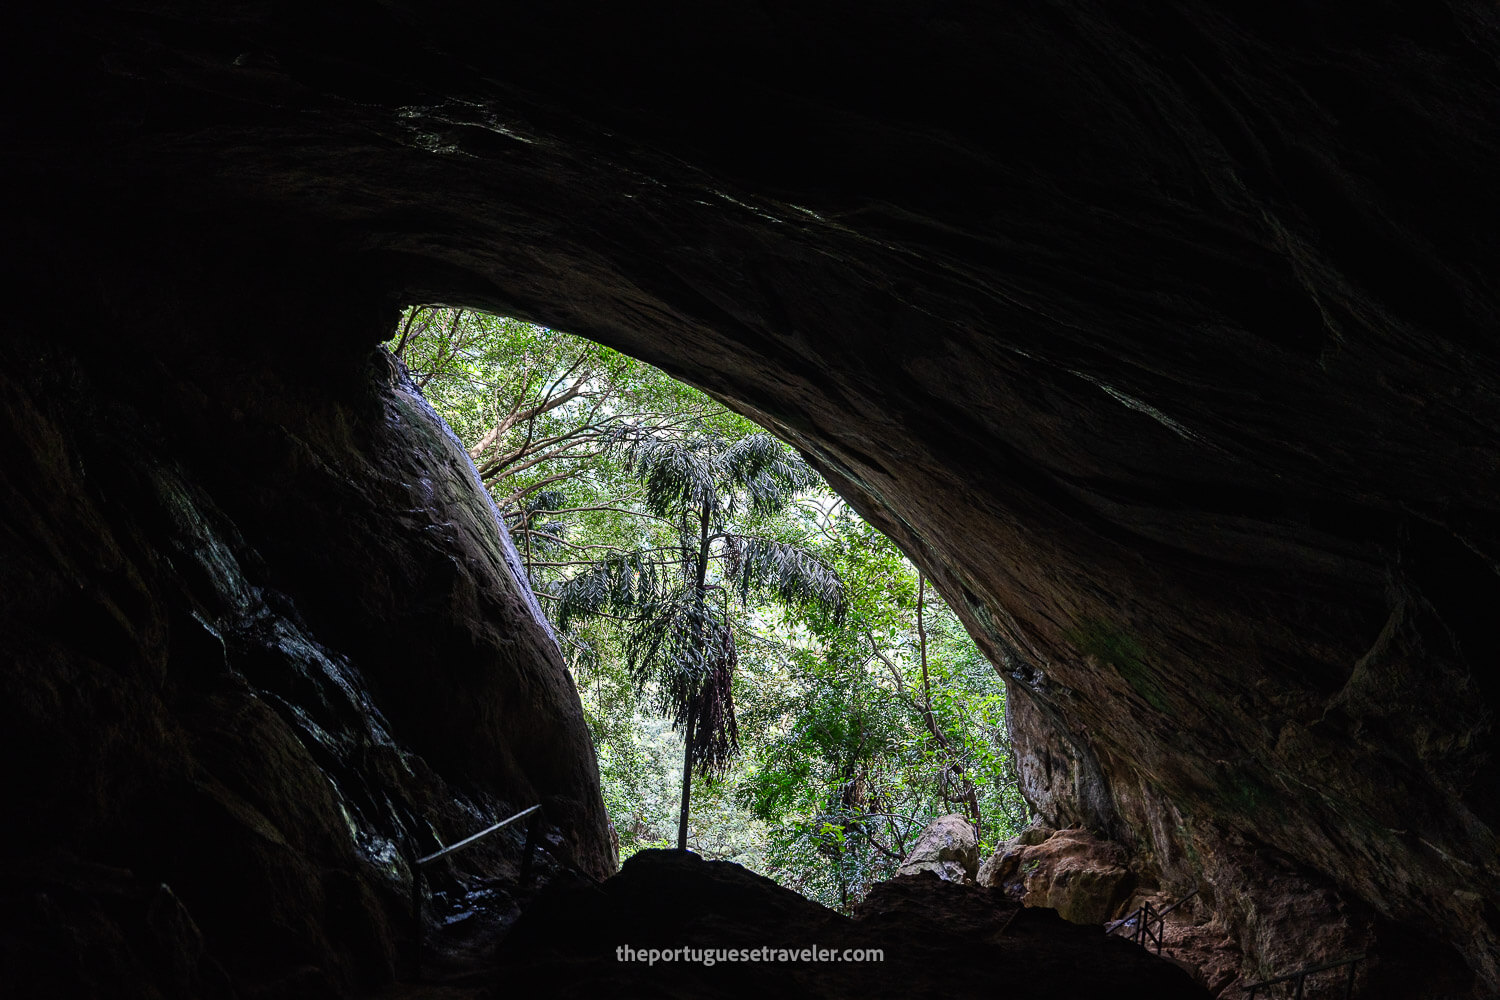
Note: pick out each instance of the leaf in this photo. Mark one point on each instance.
(788, 574)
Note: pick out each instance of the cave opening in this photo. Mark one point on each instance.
(857, 708)
(1176, 362)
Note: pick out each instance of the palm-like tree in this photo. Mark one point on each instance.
(675, 601)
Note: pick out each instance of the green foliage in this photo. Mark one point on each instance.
(678, 638)
(809, 632)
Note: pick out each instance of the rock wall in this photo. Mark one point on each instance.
(1174, 364)
(262, 641)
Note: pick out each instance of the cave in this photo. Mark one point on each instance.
(1154, 333)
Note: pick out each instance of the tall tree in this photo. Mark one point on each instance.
(675, 600)
(849, 746)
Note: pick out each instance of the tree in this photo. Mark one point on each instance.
(848, 748)
(536, 409)
(675, 600)
(890, 716)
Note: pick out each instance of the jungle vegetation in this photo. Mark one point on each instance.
(743, 642)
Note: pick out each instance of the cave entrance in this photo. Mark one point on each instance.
(701, 578)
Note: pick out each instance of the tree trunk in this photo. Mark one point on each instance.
(687, 783)
(699, 641)
(966, 792)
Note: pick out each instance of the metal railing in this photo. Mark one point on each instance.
(1148, 923)
(417, 864)
(1300, 977)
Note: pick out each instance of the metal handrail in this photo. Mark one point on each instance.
(1146, 916)
(1175, 905)
(482, 833)
(418, 863)
(1301, 975)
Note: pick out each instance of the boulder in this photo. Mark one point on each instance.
(948, 847)
(1085, 879)
(302, 656)
(989, 870)
(935, 939)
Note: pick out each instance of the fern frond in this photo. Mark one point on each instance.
(627, 584)
(676, 474)
(769, 472)
(789, 574)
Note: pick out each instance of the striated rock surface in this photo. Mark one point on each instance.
(947, 847)
(1175, 365)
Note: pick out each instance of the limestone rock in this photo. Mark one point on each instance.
(1085, 879)
(991, 871)
(947, 847)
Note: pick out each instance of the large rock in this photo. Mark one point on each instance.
(264, 637)
(1085, 879)
(1175, 367)
(936, 940)
(990, 868)
(947, 847)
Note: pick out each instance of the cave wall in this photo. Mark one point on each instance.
(263, 642)
(1161, 334)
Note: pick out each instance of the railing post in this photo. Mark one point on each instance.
(1349, 981)
(1301, 979)
(1144, 931)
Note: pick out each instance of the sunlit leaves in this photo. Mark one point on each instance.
(802, 644)
(769, 473)
(679, 635)
(793, 575)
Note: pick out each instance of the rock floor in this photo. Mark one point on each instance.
(939, 940)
